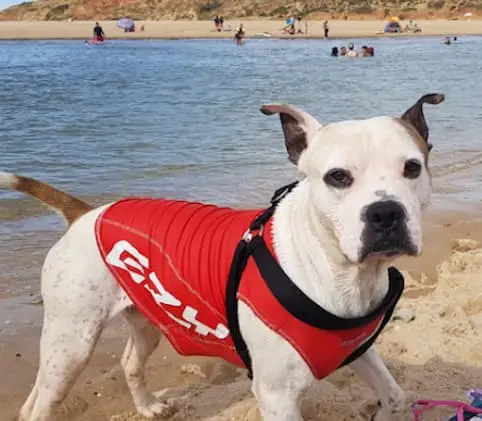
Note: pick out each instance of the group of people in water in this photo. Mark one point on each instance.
(352, 52)
(448, 41)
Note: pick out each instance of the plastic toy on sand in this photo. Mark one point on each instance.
(465, 411)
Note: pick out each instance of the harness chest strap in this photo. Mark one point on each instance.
(290, 296)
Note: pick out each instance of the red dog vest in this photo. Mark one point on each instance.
(173, 259)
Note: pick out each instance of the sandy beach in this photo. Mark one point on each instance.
(432, 346)
(204, 29)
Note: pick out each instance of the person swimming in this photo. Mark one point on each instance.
(334, 52)
(343, 51)
(351, 50)
(367, 51)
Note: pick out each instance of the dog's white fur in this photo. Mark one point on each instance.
(317, 231)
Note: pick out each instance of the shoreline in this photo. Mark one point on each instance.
(196, 38)
(202, 30)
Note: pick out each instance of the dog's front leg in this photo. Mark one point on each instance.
(371, 368)
(278, 398)
(280, 375)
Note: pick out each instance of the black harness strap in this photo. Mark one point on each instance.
(290, 296)
(240, 259)
(301, 306)
(394, 277)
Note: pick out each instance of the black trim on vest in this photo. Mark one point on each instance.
(289, 295)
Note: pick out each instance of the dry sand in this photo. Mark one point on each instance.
(204, 29)
(434, 349)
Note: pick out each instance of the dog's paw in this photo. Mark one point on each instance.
(154, 407)
(399, 415)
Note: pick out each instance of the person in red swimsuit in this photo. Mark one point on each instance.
(98, 33)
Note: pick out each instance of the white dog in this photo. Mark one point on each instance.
(334, 235)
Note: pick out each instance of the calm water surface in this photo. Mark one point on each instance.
(181, 119)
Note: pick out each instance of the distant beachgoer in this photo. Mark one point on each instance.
(221, 23)
(447, 41)
(298, 19)
(351, 50)
(217, 23)
(239, 34)
(98, 33)
(290, 25)
(325, 28)
(343, 51)
(367, 51)
(455, 38)
(334, 52)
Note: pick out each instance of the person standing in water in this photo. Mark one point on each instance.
(98, 33)
(239, 34)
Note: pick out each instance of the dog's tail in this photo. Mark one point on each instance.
(68, 206)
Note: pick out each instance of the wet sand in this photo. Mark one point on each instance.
(204, 29)
(432, 348)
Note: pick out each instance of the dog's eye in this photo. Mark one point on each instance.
(338, 178)
(412, 168)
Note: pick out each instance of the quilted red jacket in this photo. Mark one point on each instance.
(173, 258)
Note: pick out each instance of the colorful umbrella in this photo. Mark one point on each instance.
(125, 23)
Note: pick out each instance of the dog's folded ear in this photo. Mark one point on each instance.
(414, 115)
(298, 127)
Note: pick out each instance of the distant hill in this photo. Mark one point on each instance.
(205, 9)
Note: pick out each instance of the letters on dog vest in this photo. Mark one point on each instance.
(173, 259)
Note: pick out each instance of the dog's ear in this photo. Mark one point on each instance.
(298, 127)
(414, 115)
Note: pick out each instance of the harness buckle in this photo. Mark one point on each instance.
(250, 234)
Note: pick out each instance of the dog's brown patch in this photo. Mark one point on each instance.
(71, 207)
(417, 139)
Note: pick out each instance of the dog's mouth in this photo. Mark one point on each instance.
(388, 247)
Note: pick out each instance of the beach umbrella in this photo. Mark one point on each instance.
(290, 21)
(125, 23)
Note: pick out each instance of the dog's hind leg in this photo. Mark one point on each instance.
(143, 340)
(80, 297)
(64, 351)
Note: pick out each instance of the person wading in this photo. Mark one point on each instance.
(98, 33)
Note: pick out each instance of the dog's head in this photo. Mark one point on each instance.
(369, 179)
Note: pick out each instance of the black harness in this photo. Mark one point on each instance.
(289, 295)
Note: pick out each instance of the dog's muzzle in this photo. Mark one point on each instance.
(386, 232)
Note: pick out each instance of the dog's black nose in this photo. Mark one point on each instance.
(384, 216)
